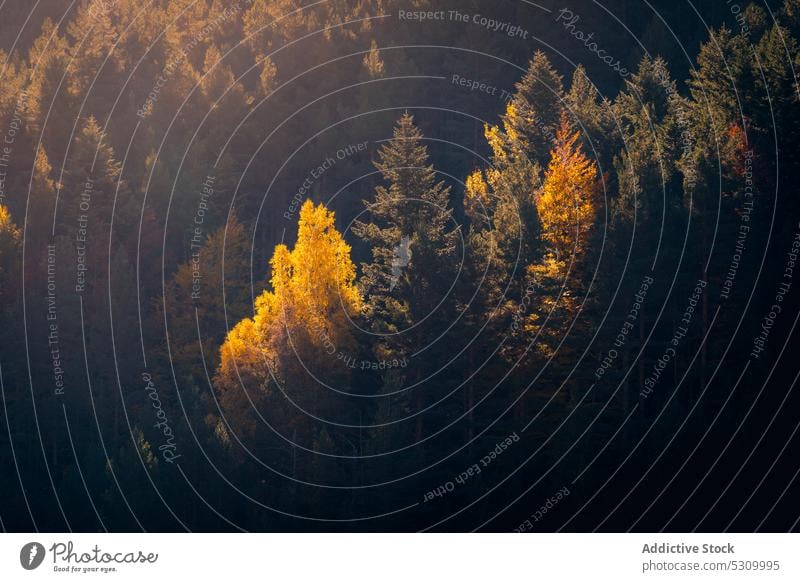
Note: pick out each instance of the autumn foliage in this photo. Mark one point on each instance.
(299, 324)
(567, 202)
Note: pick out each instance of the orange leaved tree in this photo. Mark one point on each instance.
(567, 209)
(567, 202)
(281, 365)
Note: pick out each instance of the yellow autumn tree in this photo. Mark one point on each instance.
(499, 200)
(567, 201)
(10, 238)
(567, 209)
(299, 328)
(511, 172)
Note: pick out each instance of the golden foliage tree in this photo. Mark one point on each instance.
(567, 202)
(299, 327)
(567, 209)
(10, 238)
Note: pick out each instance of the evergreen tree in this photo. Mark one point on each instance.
(90, 179)
(214, 284)
(413, 238)
(504, 226)
(538, 102)
(593, 116)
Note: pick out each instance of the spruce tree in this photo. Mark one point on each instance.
(539, 102)
(413, 239)
(411, 216)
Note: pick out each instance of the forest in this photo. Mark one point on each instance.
(398, 265)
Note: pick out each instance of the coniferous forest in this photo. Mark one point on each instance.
(399, 265)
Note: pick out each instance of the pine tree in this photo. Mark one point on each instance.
(791, 15)
(504, 227)
(50, 52)
(593, 116)
(210, 287)
(652, 116)
(373, 63)
(538, 102)
(412, 213)
(412, 236)
(646, 214)
(501, 243)
(95, 66)
(778, 97)
(90, 178)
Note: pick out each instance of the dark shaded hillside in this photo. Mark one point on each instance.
(385, 265)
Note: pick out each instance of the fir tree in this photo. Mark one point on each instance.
(413, 238)
(539, 101)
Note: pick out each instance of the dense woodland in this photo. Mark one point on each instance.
(265, 266)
